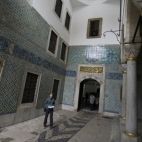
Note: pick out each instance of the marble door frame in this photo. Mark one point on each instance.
(100, 78)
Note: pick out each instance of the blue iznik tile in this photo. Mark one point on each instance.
(114, 76)
(22, 53)
(28, 31)
(71, 73)
(35, 60)
(45, 64)
(22, 26)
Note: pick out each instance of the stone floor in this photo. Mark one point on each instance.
(84, 126)
(30, 130)
(98, 129)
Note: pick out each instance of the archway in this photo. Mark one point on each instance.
(100, 79)
(88, 87)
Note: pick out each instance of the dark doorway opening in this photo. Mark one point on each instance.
(88, 87)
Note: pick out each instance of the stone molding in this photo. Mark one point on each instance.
(100, 28)
(138, 4)
(90, 77)
(124, 68)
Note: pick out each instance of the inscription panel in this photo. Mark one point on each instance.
(96, 70)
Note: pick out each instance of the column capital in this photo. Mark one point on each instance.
(131, 51)
(124, 68)
(137, 4)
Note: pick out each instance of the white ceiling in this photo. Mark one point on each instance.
(105, 1)
(79, 3)
(76, 3)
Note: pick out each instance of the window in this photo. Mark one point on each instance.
(58, 7)
(94, 28)
(63, 52)
(67, 21)
(53, 42)
(55, 88)
(30, 88)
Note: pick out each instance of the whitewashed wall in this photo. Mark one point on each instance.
(110, 14)
(46, 9)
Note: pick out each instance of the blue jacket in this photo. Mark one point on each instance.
(49, 102)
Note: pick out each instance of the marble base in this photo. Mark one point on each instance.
(126, 138)
(67, 107)
(58, 107)
(7, 120)
(110, 114)
(21, 115)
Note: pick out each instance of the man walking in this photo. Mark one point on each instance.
(92, 99)
(49, 106)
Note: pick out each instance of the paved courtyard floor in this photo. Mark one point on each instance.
(85, 126)
(30, 130)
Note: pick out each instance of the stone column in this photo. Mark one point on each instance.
(124, 92)
(131, 123)
(131, 130)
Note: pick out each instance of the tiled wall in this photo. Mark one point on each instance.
(23, 43)
(109, 55)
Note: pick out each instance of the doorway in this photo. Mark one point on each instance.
(88, 87)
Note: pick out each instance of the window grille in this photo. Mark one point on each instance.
(67, 22)
(30, 88)
(63, 52)
(53, 42)
(94, 29)
(58, 7)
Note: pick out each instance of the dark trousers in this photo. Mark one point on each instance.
(47, 112)
(91, 106)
